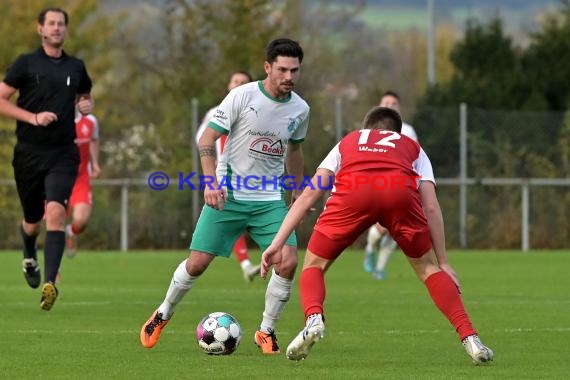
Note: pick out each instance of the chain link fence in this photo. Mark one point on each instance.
(500, 185)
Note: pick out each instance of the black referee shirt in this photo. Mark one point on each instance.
(48, 84)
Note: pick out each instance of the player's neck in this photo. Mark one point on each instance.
(52, 51)
(274, 92)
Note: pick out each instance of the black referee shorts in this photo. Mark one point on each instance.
(44, 174)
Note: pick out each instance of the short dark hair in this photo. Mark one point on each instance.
(242, 72)
(284, 47)
(390, 93)
(42, 15)
(383, 118)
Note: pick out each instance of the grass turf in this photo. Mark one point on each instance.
(519, 302)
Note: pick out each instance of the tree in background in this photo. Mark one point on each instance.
(513, 127)
(148, 60)
(491, 73)
(546, 59)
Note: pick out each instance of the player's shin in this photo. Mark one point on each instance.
(276, 297)
(446, 297)
(179, 285)
(313, 291)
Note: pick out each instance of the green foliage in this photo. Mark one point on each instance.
(516, 126)
(187, 49)
(87, 32)
(546, 59)
(150, 59)
(490, 73)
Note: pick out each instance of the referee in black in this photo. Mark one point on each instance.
(51, 85)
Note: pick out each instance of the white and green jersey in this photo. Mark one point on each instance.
(259, 127)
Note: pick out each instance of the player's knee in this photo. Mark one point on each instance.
(80, 223)
(425, 265)
(197, 263)
(287, 268)
(55, 215)
(288, 264)
(31, 229)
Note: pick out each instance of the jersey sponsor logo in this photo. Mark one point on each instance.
(220, 115)
(267, 147)
(369, 149)
(262, 133)
(253, 110)
(293, 124)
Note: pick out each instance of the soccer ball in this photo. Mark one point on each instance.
(218, 334)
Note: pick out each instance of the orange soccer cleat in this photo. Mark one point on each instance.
(150, 331)
(267, 342)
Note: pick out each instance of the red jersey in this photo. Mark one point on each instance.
(86, 130)
(380, 151)
(376, 182)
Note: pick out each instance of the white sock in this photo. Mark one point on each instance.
(372, 239)
(179, 285)
(245, 264)
(388, 242)
(383, 257)
(68, 230)
(276, 297)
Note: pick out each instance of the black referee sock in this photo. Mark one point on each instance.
(30, 248)
(53, 252)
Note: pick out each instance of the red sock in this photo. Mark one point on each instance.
(240, 249)
(446, 297)
(313, 291)
(74, 229)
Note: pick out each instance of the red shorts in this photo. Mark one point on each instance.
(81, 192)
(350, 212)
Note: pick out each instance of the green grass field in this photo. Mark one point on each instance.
(519, 302)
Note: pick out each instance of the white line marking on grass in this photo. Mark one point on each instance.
(387, 332)
(419, 332)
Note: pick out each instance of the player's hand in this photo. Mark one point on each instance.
(95, 171)
(215, 198)
(84, 105)
(42, 119)
(451, 273)
(269, 257)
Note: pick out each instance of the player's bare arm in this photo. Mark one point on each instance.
(320, 181)
(213, 196)
(294, 163)
(94, 149)
(434, 217)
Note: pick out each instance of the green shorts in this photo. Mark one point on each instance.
(217, 231)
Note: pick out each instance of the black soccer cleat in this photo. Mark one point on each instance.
(32, 272)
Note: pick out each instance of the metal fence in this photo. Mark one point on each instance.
(481, 210)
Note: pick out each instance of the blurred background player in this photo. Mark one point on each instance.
(81, 200)
(240, 247)
(378, 238)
